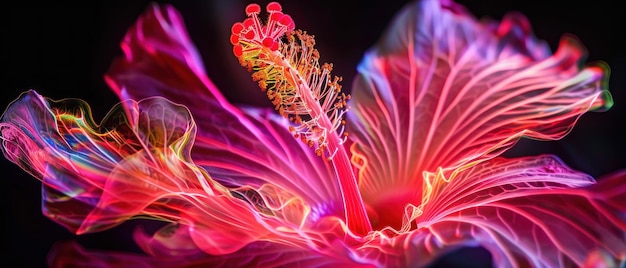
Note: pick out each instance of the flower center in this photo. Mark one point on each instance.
(390, 210)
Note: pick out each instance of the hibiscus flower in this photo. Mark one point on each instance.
(413, 171)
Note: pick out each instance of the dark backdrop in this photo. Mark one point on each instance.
(63, 51)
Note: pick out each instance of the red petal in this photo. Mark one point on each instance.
(532, 210)
(238, 148)
(528, 212)
(443, 90)
(158, 46)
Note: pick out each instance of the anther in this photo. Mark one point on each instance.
(268, 42)
(252, 9)
(234, 39)
(287, 21)
(237, 50)
(276, 16)
(249, 35)
(237, 28)
(247, 23)
(273, 7)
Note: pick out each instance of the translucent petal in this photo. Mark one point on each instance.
(443, 90)
(98, 175)
(238, 147)
(256, 149)
(160, 58)
(529, 211)
(59, 143)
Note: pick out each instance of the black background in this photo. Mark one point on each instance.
(63, 50)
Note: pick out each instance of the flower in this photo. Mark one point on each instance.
(438, 99)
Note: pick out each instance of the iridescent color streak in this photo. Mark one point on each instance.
(436, 102)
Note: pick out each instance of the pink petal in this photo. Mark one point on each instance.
(443, 90)
(160, 59)
(529, 211)
(258, 150)
(132, 164)
(58, 143)
(250, 147)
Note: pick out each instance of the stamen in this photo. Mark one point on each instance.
(286, 66)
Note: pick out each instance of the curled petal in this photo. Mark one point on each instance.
(96, 176)
(238, 147)
(529, 211)
(159, 58)
(442, 90)
(59, 143)
(85, 166)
